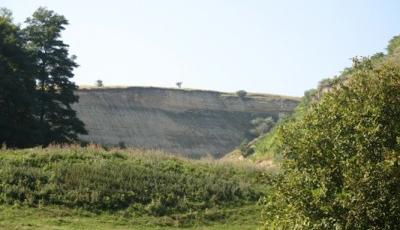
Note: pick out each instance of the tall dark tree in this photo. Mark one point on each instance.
(17, 123)
(55, 90)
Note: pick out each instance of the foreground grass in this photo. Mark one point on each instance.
(50, 217)
(91, 188)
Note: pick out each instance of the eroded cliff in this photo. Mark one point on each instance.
(190, 122)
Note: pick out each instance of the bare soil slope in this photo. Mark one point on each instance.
(189, 122)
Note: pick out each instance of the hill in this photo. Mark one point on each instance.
(266, 146)
(190, 122)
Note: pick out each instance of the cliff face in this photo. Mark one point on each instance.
(190, 122)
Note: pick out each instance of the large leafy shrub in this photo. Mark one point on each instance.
(341, 168)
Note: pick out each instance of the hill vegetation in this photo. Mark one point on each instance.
(130, 183)
(340, 152)
(266, 146)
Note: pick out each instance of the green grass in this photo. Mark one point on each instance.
(91, 188)
(265, 147)
(51, 217)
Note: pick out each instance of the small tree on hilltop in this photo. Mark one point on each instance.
(241, 94)
(99, 83)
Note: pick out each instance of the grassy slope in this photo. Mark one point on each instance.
(266, 147)
(90, 188)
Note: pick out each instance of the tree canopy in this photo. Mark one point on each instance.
(341, 167)
(36, 92)
(17, 123)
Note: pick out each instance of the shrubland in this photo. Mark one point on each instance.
(130, 183)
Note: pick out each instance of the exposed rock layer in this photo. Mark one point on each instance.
(190, 122)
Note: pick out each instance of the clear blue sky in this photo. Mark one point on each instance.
(281, 47)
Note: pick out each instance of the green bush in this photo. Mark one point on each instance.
(341, 167)
(246, 149)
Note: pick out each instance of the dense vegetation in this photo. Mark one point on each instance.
(35, 88)
(340, 150)
(267, 146)
(132, 182)
(341, 153)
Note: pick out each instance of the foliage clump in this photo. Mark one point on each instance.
(36, 91)
(262, 125)
(394, 45)
(341, 167)
(17, 120)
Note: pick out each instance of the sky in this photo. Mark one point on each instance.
(279, 47)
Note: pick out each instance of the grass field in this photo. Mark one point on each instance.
(15, 217)
(93, 188)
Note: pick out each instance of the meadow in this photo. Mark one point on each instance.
(86, 187)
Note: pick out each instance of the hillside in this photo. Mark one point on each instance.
(91, 188)
(188, 122)
(266, 146)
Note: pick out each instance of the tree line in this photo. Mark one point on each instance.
(36, 91)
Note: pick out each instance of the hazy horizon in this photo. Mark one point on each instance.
(275, 47)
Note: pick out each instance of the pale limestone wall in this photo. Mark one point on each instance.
(191, 122)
